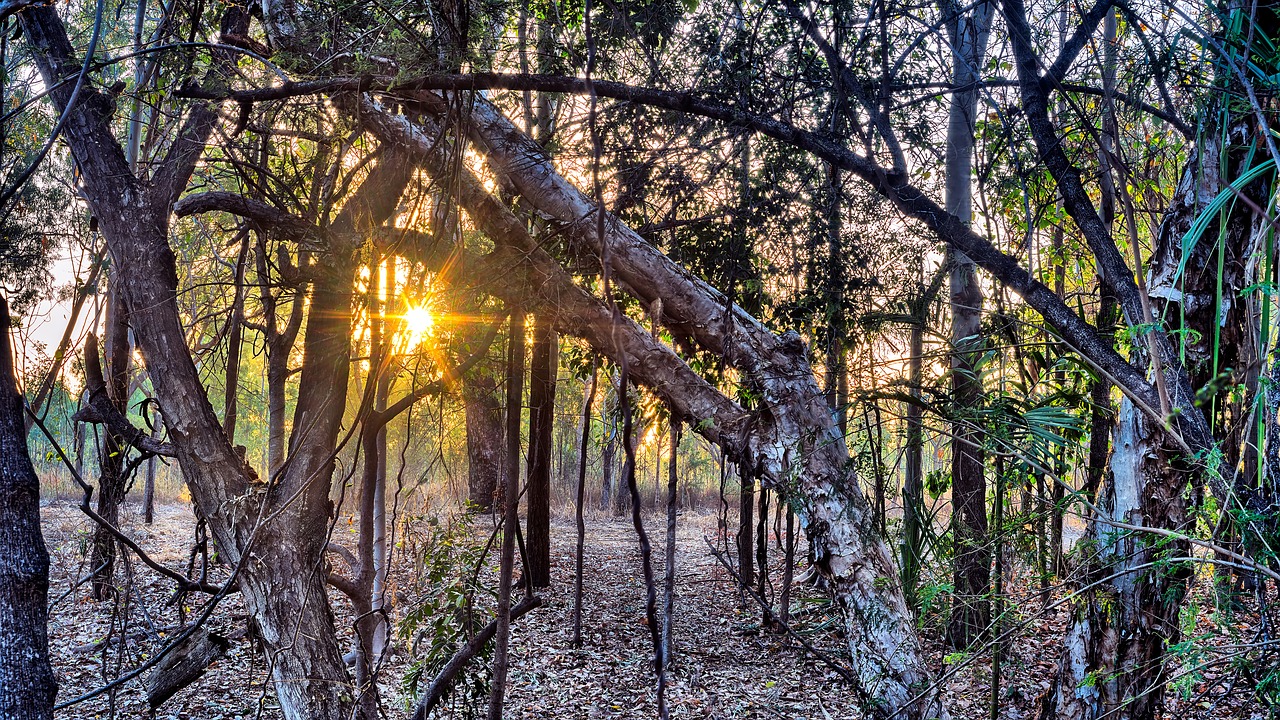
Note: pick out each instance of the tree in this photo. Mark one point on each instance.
(111, 447)
(968, 32)
(726, 363)
(284, 594)
(542, 395)
(484, 439)
(27, 684)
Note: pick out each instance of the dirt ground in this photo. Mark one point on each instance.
(725, 667)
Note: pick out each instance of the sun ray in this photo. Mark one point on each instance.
(418, 322)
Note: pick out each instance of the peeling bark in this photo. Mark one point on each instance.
(1112, 662)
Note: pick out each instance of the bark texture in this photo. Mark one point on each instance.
(1112, 662)
(542, 405)
(111, 447)
(483, 411)
(275, 532)
(27, 685)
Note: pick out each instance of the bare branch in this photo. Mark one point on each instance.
(100, 409)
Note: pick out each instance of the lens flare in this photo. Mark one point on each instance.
(418, 323)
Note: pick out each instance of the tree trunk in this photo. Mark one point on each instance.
(381, 558)
(642, 537)
(875, 444)
(621, 496)
(836, 371)
(484, 438)
(275, 533)
(788, 570)
(795, 439)
(235, 335)
(510, 510)
(1101, 413)
(373, 450)
(669, 574)
(746, 527)
(970, 614)
(762, 557)
(111, 448)
(610, 448)
(913, 478)
(279, 345)
(149, 485)
(1113, 660)
(542, 398)
(589, 396)
(80, 440)
(1113, 655)
(27, 684)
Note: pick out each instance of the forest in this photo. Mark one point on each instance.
(639, 358)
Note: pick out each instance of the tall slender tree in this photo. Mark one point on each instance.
(542, 398)
(967, 30)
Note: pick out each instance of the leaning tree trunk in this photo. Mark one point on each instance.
(792, 439)
(27, 684)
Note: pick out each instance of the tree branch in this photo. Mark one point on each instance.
(444, 680)
(12, 7)
(100, 409)
(1190, 429)
(288, 225)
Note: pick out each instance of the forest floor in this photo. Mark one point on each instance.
(725, 666)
